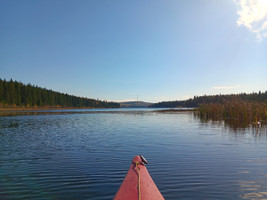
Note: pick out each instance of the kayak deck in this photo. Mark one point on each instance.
(138, 184)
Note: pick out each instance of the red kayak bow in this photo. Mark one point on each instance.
(138, 184)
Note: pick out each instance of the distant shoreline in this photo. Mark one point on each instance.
(45, 108)
(19, 111)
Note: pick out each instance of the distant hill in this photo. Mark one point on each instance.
(13, 93)
(135, 104)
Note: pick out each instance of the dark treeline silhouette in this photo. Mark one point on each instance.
(13, 93)
(198, 100)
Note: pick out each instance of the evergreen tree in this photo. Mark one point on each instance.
(15, 93)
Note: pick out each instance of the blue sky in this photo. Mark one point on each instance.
(117, 50)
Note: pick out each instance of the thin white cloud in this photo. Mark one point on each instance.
(253, 15)
(225, 87)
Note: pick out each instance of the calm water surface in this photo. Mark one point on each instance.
(87, 155)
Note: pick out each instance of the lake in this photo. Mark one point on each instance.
(81, 154)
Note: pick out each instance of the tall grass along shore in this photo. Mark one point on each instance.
(239, 112)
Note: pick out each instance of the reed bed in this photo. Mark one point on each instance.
(238, 112)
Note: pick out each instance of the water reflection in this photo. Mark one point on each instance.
(87, 155)
(255, 195)
(8, 124)
(253, 189)
(253, 184)
(258, 129)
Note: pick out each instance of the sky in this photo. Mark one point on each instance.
(120, 50)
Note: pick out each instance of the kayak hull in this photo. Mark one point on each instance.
(138, 184)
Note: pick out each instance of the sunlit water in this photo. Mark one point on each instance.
(87, 155)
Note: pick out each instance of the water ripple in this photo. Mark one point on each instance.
(86, 156)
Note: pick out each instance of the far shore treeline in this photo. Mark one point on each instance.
(208, 99)
(13, 94)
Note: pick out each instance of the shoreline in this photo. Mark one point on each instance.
(45, 108)
(20, 111)
(36, 108)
